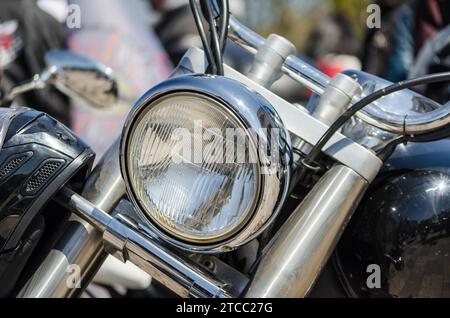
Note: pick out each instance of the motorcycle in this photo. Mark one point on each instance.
(218, 187)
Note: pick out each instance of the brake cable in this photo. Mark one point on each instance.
(316, 150)
(212, 68)
(225, 22)
(215, 48)
(215, 41)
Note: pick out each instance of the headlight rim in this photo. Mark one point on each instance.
(141, 205)
(202, 85)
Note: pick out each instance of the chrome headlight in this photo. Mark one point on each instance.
(206, 162)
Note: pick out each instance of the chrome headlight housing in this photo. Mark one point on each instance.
(206, 161)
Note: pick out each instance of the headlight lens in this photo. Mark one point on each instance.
(184, 182)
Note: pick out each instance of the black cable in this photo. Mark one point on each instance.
(215, 44)
(316, 150)
(212, 68)
(385, 151)
(224, 23)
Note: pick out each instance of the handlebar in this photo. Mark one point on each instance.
(409, 124)
(294, 67)
(315, 80)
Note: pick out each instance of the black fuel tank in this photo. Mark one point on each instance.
(402, 226)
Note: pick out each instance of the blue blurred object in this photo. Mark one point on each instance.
(403, 52)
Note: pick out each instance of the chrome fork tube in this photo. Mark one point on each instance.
(301, 248)
(82, 244)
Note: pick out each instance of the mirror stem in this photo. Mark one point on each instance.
(38, 82)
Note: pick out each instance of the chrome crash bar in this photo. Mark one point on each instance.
(178, 274)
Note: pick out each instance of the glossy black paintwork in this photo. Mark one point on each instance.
(38, 138)
(402, 225)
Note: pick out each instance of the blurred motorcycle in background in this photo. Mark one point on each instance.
(300, 200)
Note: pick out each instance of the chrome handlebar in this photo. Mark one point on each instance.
(417, 124)
(293, 66)
(315, 80)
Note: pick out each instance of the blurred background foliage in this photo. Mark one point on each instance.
(295, 19)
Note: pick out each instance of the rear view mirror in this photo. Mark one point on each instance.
(82, 78)
(75, 76)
